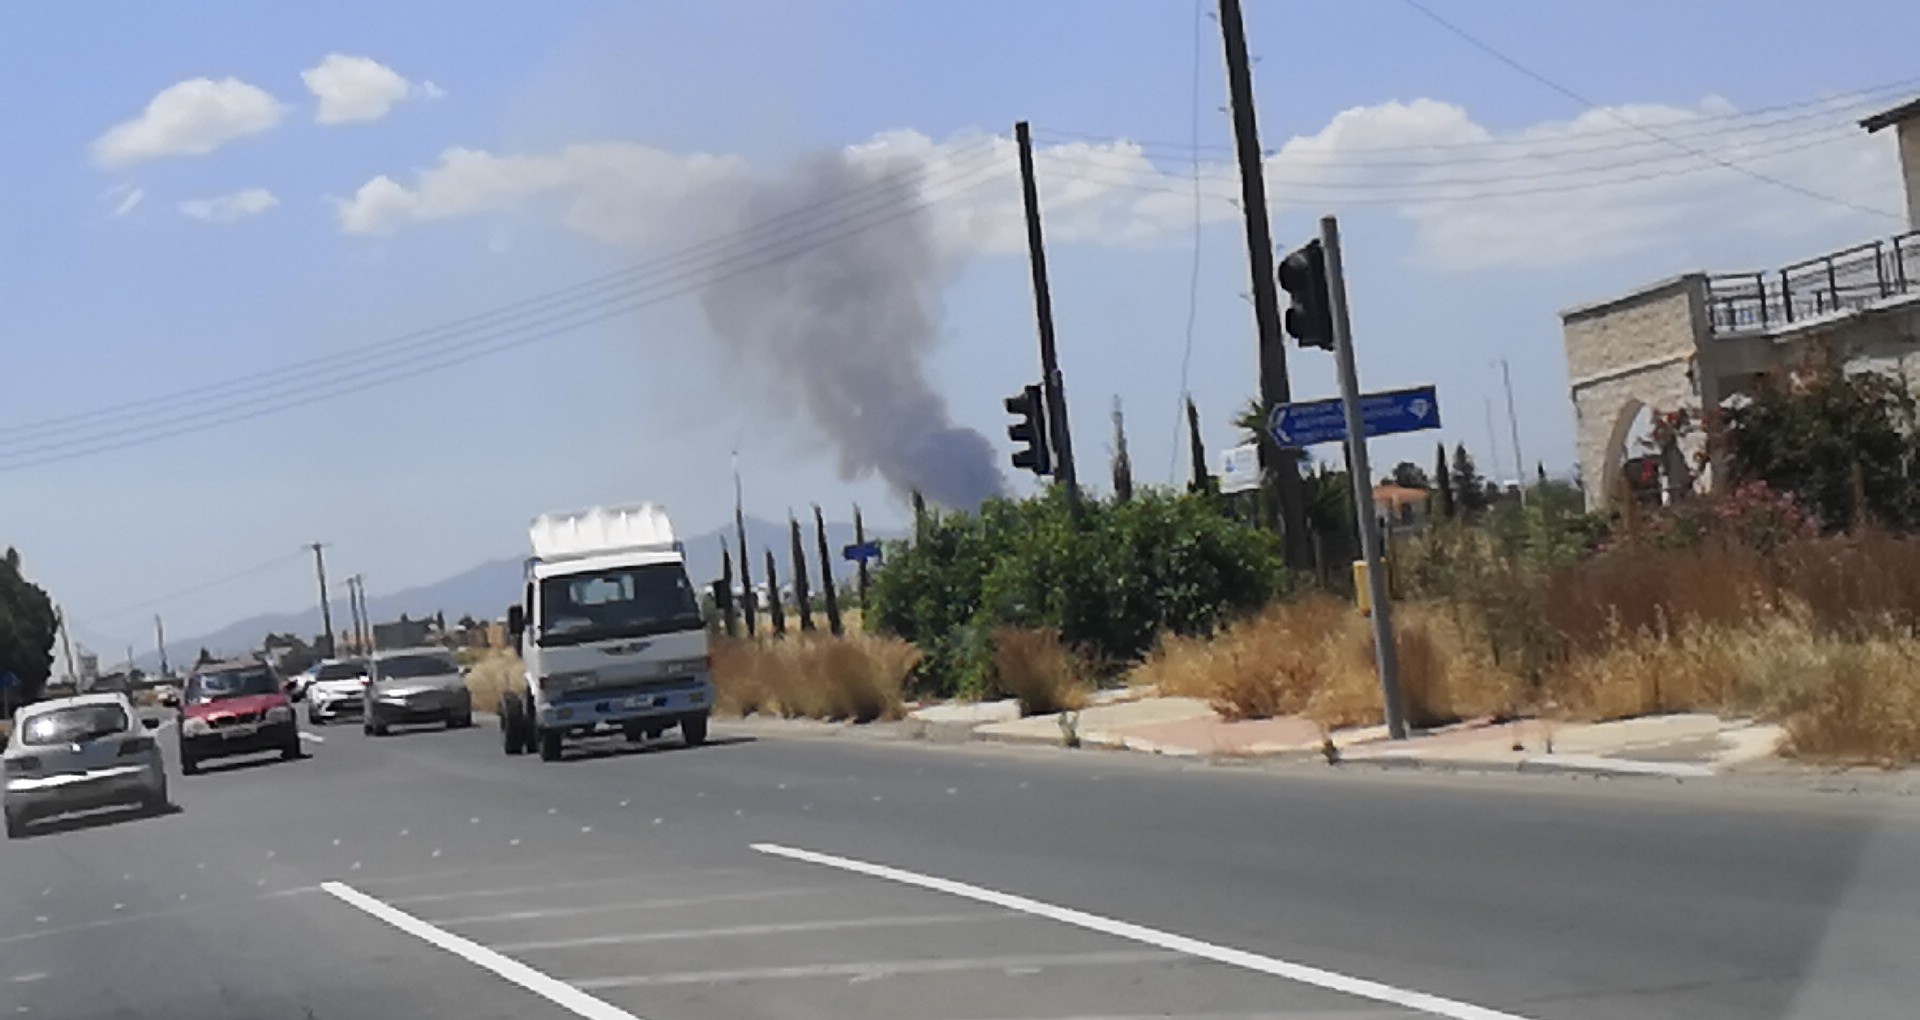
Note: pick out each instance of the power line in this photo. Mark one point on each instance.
(1414, 197)
(884, 188)
(1801, 140)
(653, 292)
(203, 586)
(1484, 47)
(1723, 122)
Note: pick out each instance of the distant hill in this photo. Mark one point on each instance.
(484, 591)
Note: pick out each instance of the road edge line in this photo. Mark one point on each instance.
(1302, 973)
(550, 988)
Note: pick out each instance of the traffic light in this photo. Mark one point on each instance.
(1030, 431)
(1303, 275)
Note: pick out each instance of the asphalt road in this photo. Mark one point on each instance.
(428, 875)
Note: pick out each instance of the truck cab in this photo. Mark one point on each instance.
(610, 630)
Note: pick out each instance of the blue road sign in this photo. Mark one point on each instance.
(861, 552)
(1323, 421)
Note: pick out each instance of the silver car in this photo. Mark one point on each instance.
(415, 685)
(78, 753)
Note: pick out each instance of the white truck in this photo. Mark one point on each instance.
(610, 630)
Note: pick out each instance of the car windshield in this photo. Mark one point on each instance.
(623, 602)
(340, 670)
(236, 683)
(69, 725)
(401, 667)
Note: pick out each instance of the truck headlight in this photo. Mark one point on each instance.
(279, 714)
(195, 728)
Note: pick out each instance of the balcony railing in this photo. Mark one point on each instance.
(1851, 278)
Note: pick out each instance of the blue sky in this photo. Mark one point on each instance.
(422, 477)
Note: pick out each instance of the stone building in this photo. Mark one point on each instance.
(1695, 340)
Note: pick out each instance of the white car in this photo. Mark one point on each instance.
(337, 688)
(78, 753)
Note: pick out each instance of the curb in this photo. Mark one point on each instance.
(1567, 764)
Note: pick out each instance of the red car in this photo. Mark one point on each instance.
(233, 708)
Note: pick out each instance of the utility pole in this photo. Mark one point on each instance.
(326, 607)
(1050, 379)
(160, 642)
(356, 628)
(66, 647)
(1513, 426)
(1386, 654)
(363, 623)
(1281, 465)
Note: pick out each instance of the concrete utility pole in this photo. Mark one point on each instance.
(353, 613)
(1513, 425)
(1051, 382)
(160, 642)
(1281, 465)
(326, 607)
(1386, 654)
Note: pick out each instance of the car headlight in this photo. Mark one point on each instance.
(195, 728)
(279, 714)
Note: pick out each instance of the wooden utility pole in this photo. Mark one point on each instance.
(326, 602)
(1281, 466)
(1050, 379)
(860, 538)
(66, 648)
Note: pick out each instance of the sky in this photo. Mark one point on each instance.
(396, 278)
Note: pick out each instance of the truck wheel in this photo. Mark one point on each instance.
(693, 730)
(530, 725)
(513, 724)
(635, 732)
(550, 743)
(16, 825)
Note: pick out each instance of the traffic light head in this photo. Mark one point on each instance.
(1030, 431)
(1303, 275)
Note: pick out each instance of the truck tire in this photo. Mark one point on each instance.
(512, 719)
(693, 729)
(551, 742)
(634, 731)
(530, 727)
(16, 825)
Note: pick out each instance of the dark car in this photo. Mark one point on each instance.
(231, 709)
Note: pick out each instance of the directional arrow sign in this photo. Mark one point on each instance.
(1322, 421)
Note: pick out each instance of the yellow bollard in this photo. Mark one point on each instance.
(1363, 592)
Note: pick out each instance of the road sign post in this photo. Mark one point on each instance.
(1386, 655)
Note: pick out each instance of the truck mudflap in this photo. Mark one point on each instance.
(585, 709)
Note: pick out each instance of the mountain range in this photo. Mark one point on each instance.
(484, 590)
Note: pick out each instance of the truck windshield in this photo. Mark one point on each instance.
(623, 602)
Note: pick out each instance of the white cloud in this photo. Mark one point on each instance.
(191, 118)
(352, 89)
(229, 207)
(125, 197)
(1556, 193)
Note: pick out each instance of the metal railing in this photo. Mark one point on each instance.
(1851, 278)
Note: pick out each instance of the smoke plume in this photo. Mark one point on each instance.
(842, 330)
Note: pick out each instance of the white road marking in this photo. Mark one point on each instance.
(315, 737)
(868, 970)
(1360, 987)
(739, 930)
(22, 979)
(553, 990)
(608, 908)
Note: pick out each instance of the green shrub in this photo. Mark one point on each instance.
(1109, 581)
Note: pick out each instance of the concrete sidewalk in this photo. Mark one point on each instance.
(1678, 746)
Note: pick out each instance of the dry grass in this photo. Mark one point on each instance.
(1315, 657)
(494, 674)
(1043, 674)
(858, 677)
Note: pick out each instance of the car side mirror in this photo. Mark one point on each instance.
(516, 621)
(150, 723)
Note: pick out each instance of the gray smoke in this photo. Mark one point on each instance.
(843, 329)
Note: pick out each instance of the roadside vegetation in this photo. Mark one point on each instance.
(1790, 595)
